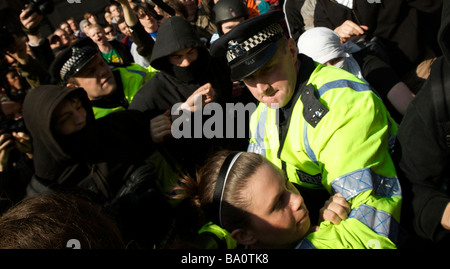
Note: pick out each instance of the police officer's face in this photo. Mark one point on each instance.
(96, 78)
(274, 83)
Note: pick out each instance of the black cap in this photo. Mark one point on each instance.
(250, 44)
(72, 59)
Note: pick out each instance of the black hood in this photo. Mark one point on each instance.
(444, 31)
(38, 108)
(174, 34)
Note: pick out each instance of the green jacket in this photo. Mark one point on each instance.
(337, 139)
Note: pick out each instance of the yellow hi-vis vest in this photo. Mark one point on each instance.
(339, 142)
(133, 78)
(220, 233)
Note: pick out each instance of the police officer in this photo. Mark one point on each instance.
(323, 126)
(109, 88)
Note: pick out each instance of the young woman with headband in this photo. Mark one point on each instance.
(251, 198)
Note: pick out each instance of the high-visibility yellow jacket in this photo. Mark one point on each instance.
(338, 138)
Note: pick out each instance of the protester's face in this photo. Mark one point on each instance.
(147, 20)
(184, 58)
(115, 11)
(108, 17)
(69, 117)
(66, 28)
(92, 20)
(72, 25)
(228, 25)
(96, 78)
(97, 34)
(13, 80)
(274, 83)
(124, 29)
(85, 27)
(109, 32)
(65, 40)
(279, 217)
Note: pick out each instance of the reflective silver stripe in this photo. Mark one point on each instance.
(356, 182)
(308, 148)
(305, 244)
(379, 221)
(259, 147)
(255, 148)
(343, 83)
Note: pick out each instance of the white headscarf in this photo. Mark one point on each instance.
(323, 44)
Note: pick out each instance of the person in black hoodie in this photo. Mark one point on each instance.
(185, 65)
(104, 160)
(72, 149)
(423, 152)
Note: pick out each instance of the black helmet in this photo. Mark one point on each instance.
(226, 10)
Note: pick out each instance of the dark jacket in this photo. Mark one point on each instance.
(423, 148)
(397, 23)
(97, 158)
(294, 19)
(174, 84)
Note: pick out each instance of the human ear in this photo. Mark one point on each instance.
(72, 83)
(243, 237)
(292, 47)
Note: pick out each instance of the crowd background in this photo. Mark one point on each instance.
(147, 219)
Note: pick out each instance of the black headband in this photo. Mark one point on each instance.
(220, 186)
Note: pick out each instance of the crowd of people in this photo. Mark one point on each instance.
(105, 141)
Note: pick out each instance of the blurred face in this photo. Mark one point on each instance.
(147, 20)
(108, 17)
(73, 25)
(66, 28)
(124, 29)
(274, 83)
(115, 11)
(13, 80)
(93, 20)
(228, 25)
(183, 58)
(109, 33)
(96, 78)
(69, 117)
(65, 40)
(97, 34)
(279, 218)
(85, 27)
